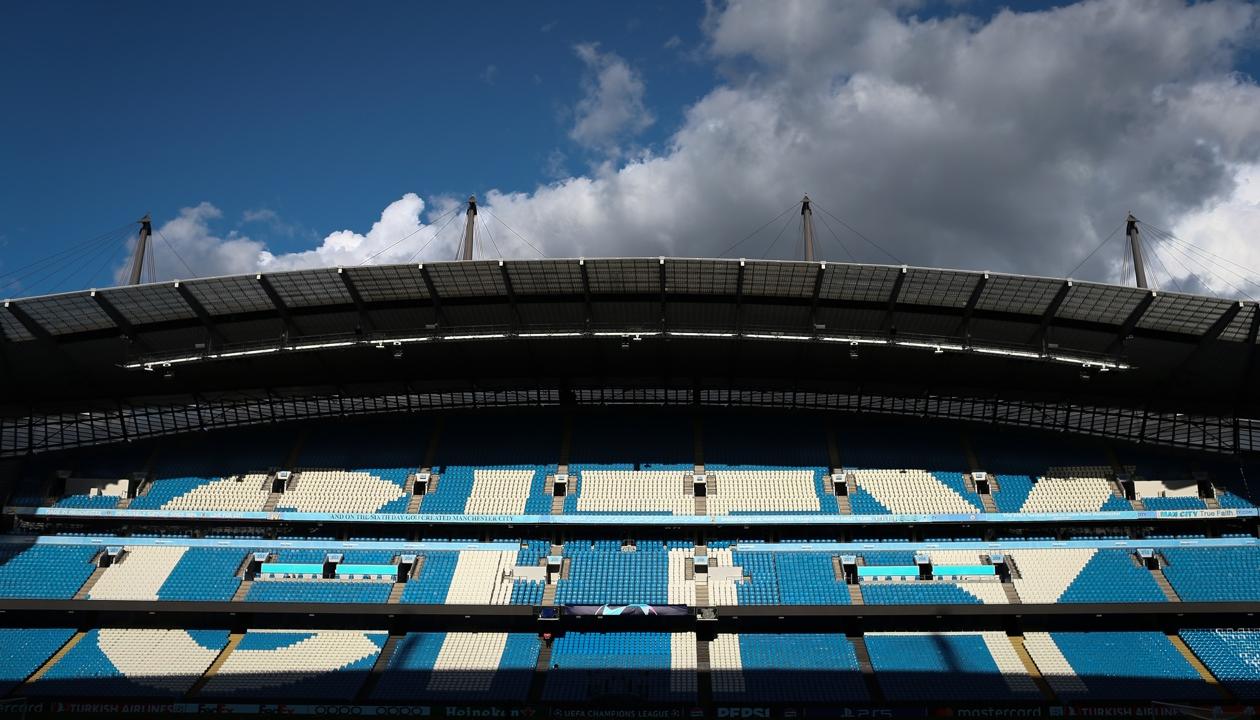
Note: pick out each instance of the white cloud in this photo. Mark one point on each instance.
(1215, 248)
(1014, 144)
(611, 109)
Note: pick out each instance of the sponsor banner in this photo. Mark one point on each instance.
(625, 610)
(632, 519)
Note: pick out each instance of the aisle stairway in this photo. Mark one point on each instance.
(1198, 666)
(868, 671)
(83, 592)
(234, 639)
(378, 668)
(1031, 667)
(43, 669)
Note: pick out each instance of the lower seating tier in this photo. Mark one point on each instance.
(652, 667)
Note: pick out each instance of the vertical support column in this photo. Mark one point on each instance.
(1135, 246)
(469, 224)
(807, 215)
(142, 246)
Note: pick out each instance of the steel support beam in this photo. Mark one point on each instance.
(964, 327)
(365, 320)
(1129, 323)
(1048, 314)
(813, 300)
(664, 319)
(200, 312)
(434, 297)
(28, 322)
(290, 327)
(511, 295)
(586, 291)
(890, 316)
(120, 320)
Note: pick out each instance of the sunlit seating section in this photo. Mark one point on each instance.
(903, 491)
(1074, 494)
(1082, 575)
(1232, 656)
(785, 668)
(203, 573)
(138, 574)
(602, 489)
(25, 650)
(509, 491)
(193, 473)
(459, 667)
(949, 666)
(54, 572)
(1115, 666)
(373, 490)
(652, 667)
(603, 572)
(297, 665)
(1010, 492)
(769, 578)
(1217, 574)
(764, 489)
(134, 663)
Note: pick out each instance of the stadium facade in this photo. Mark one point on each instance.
(584, 488)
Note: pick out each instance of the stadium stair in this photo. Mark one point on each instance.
(873, 689)
(1012, 596)
(83, 592)
(379, 667)
(1157, 574)
(1212, 503)
(704, 682)
(1198, 666)
(234, 639)
(1031, 667)
(43, 669)
(541, 668)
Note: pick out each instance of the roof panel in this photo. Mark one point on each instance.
(472, 278)
(941, 288)
(780, 279)
(62, 314)
(1183, 313)
(230, 295)
(863, 283)
(1240, 327)
(13, 330)
(1100, 303)
(1023, 295)
(701, 277)
(306, 288)
(545, 277)
(382, 283)
(143, 304)
(624, 275)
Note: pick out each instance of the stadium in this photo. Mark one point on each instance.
(664, 487)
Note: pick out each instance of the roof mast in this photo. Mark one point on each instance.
(807, 216)
(468, 227)
(1135, 246)
(142, 246)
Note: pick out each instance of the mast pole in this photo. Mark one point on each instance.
(142, 246)
(1135, 246)
(808, 215)
(468, 227)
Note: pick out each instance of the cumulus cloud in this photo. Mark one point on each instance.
(612, 107)
(1011, 144)
(404, 233)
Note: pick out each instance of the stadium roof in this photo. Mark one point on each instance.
(568, 324)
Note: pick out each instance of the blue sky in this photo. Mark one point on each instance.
(288, 122)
